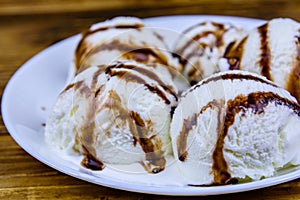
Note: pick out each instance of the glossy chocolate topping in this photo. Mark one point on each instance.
(130, 77)
(90, 162)
(152, 146)
(150, 74)
(256, 102)
(155, 161)
(85, 135)
(227, 111)
(231, 76)
(188, 125)
(121, 26)
(138, 53)
(82, 46)
(234, 53)
(145, 55)
(265, 55)
(293, 83)
(218, 33)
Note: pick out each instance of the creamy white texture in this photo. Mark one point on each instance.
(271, 50)
(123, 38)
(69, 108)
(121, 148)
(257, 116)
(120, 115)
(201, 47)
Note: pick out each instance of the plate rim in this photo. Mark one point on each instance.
(152, 189)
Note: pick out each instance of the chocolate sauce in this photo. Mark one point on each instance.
(98, 91)
(219, 165)
(123, 74)
(293, 83)
(140, 54)
(196, 70)
(68, 87)
(234, 53)
(82, 45)
(194, 26)
(232, 76)
(154, 155)
(257, 102)
(218, 33)
(101, 69)
(172, 111)
(134, 26)
(195, 73)
(239, 76)
(265, 51)
(159, 37)
(196, 53)
(150, 75)
(90, 162)
(85, 133)
(128, 76)
(188, 125)
(80, 85)
(194, 40)
(156, 90)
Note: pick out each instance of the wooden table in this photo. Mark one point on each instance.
(27, 28)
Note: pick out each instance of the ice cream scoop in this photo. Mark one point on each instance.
(115, 114)
(235, 126)
(122, 38)
(201, 46)
(272, 50)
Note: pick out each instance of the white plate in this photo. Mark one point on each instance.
(34, 87)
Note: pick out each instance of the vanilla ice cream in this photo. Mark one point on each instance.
(122, 38)
(235, 126)
(201, 46)
(272, 50)
(115, 114)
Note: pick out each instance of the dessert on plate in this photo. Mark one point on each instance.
(115, 114)
(122, 103)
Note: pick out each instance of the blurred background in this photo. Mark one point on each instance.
(29, 26)
(39, 23)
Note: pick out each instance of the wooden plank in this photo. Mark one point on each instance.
(255, 8)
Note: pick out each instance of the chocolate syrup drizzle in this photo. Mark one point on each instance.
(293, 84)
(256, 102)
(196, 71)
(150, 74)
(230, 76)
(234, 52)
(188, 125)
(129, 76)
(217, 33)
(152, 145)
(265, 55)
(82, 46)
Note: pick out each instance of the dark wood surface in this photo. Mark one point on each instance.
(27, 27)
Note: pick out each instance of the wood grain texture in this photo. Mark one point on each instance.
(27, 27)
